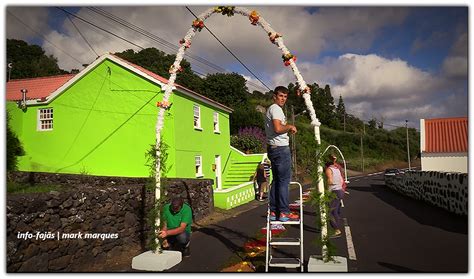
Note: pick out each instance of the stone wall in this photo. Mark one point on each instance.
(442, 189)
(91, 222)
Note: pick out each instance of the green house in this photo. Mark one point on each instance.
(102, 121)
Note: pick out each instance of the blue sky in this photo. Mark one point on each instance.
(391, 62)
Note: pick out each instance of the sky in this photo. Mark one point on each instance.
(392, 63)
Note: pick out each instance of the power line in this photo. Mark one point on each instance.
(115, 35)
(100, 28)
(87, 42)
(363, 119)
(230, 51)
(44, 38)
(163, 42)
(149, 35)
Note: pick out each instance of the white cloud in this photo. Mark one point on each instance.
(370, 84)
(374, 86)
(305, 34)
(455, 64)
(35, 17)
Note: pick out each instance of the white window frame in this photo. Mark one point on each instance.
(44, 119)
(197, 117)
(216, 122)
(198, 165)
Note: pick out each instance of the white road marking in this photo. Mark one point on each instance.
(350, 244)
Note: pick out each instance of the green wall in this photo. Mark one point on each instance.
(105, 123)
(191, 142)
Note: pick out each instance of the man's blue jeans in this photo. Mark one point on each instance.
(280, 158)
(180, 241)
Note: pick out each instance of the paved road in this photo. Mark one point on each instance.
(394, 233)
(390, 233)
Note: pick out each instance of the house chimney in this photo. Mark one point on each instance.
(23, 97)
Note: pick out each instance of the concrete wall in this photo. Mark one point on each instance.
(454, 162)
(445, 190)
(91, 224)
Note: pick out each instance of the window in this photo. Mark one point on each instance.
(216, 122)
(45, 119)
(198, 163)
(197, 117)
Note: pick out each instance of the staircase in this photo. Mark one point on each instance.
(239, 172)
(237, 182)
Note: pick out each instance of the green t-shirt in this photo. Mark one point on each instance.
(183, 216)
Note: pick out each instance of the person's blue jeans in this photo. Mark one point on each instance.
(180, 241)
(280, 158)
(335, 207)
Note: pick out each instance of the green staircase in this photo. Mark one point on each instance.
(237, 183)
(239, 172)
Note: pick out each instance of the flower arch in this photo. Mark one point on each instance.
(185, 43)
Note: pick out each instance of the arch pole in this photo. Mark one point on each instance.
(342, 156)
(275, 38)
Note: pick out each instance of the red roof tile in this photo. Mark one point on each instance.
(446, 135)
(37, 87)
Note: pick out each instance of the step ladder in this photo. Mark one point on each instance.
(271, 261)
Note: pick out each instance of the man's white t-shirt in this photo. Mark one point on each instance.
(273, 138)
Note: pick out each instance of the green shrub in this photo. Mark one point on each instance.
(247, 144)
(14, 148)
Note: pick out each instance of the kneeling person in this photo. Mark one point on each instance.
(176, 230)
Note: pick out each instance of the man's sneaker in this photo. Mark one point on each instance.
(285, 217)
(186, 252)
(273, 216)
(336, 234)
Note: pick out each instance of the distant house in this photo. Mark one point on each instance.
(444, 144)
(101, 121)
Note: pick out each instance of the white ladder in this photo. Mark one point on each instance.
(285, 241)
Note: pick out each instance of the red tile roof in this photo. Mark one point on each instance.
(44, 86)
(446, 135)
(37, 87)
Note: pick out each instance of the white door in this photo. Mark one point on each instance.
(218, 172)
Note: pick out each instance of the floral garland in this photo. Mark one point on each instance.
(197, 25)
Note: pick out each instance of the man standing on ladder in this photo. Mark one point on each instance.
(278, 149)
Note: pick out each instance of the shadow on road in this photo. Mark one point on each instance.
(222, 234)
(397, 268)
(362, 188)
(421, 211)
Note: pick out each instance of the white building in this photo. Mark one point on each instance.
(444, 144)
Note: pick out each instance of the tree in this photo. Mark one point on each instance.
(341, 112)
(324, 105)
(340, 109)
(380, 126)
(227, 89)
(29, 61)
(245, 116)
(159, 63)
(14, 148)
(372, 123)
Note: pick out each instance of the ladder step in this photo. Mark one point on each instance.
(285, 241)
(285, 262)
(285, 223)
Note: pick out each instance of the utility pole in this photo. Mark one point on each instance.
(362, 151)
(408, 145)
(9, 70)
(293, 144)
(344, 121)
